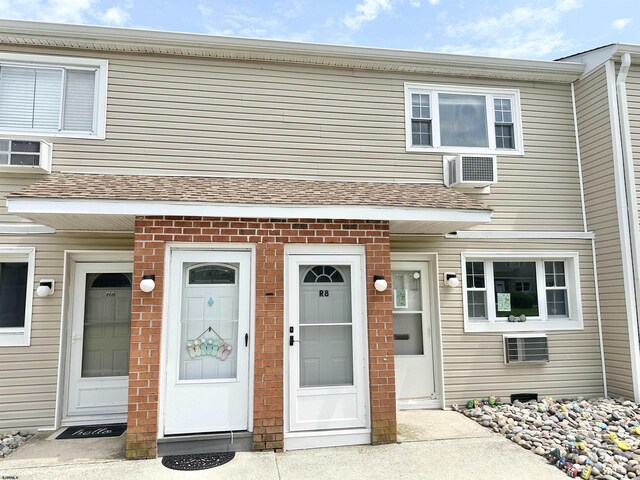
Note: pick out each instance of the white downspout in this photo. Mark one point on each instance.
(632, 207)
(593, 243)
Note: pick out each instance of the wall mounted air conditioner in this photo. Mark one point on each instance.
(470, 170)
(520, 349)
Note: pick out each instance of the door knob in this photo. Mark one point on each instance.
(74, 338)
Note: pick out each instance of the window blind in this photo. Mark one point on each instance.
(79, 101)
(31, 99)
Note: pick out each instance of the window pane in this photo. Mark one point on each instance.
(25, 160)
(463, 120)
(504, 136)
(510, 301)
(46, 110)
(326, 355)
(475, 275)
(212, 275)
(420, 106)
(554, 273)
(557, 303)
(16, 97)
(13, 293)
(30, 98)
(502, 108)
(4, 159)
(107, 324)
(79, 100)
(27, 147)
(476, 303)
(421, 132)
(407, 334)
(4, 145)
(329, 299)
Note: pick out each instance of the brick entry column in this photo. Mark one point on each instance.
(269, 236)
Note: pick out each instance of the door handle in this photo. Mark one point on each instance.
(291, 340)
(74, 338)
(246, 339)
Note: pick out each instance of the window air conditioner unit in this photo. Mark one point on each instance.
(525, 349)
(470, 170)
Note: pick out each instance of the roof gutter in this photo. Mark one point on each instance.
(13, 32)
(632, 210)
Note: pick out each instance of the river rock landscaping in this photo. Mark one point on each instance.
(12, 441)
(597, 439)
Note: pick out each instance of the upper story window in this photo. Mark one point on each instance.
(462, 119)
(506, 292)
(47, 96)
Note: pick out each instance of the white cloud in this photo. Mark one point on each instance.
(526, 31)
(232, 21)
(66, 11)
(115, 16)
(414, 3)
(434, 2)
(620, 23)
(367, 11)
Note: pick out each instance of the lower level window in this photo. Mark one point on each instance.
(16, 287)
(504, 293)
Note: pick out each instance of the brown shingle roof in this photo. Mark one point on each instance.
(243, 191)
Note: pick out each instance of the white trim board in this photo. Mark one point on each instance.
(19, 205)
(488, 234)
(25, 229)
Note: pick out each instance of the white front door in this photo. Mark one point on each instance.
(99, 342)
(413, 333)
(327, 383)
(207, 338)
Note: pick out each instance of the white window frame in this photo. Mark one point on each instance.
(489, 93)
(20, 336)
(100, 105)
(543, 322)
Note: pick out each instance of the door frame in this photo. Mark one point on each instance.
(436, 329)
(205, 247)
(71, 258)
(326, 438)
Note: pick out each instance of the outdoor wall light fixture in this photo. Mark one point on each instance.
(46, 287)
(451, 280)
(379, 283)
(148, 283)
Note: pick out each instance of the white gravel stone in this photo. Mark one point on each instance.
(11, 441)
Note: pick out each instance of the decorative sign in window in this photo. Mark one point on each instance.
(212, 275)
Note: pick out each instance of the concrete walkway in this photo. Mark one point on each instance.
(435, 445)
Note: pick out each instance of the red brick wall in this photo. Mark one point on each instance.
(270, 236)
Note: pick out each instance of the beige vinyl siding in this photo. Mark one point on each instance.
(633, 104)
(197, 116)
(28, 375)
(474, 363)
(602, 218)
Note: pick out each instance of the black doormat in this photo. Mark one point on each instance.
(199, 461)
(93, 431)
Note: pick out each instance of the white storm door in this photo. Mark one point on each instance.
(327, 384)
(412, 332)
(207, 353)
(99, 340)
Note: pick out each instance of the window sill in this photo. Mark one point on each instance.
(39, 135)
(465, 150)
(528, 326)
(14, 337)
(24, 169)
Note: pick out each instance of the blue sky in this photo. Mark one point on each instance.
(536, 29)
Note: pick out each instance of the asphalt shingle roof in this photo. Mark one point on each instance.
(243, 191)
